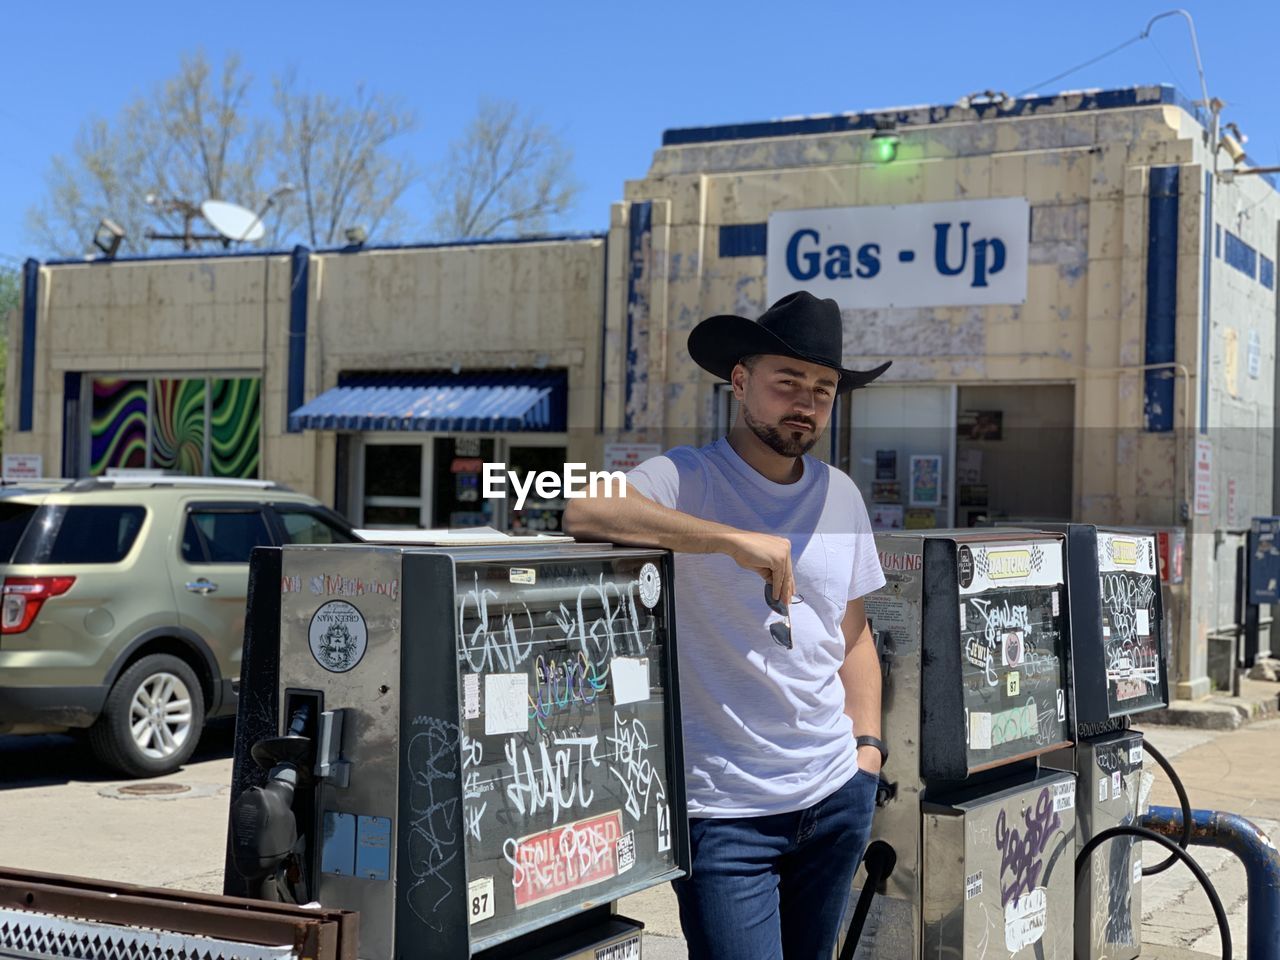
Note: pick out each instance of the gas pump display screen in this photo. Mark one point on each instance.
(563, 696)
(1013, 655)
(1130, 622)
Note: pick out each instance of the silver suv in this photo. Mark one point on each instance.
(123, 605)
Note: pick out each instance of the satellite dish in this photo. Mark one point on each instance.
(234, 222)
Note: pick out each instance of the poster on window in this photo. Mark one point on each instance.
(926, 480)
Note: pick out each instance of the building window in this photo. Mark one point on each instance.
(203, 426)
(439, 481)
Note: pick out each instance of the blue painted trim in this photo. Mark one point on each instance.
(71, 421)
(299, 275)
(1162, 296)
(1217, 241)
(920, 116)
(639, 229)
(604, 336)
(347, 249)
(27, 372)
(1240, 255)
(1267, 272)
(1206, 287)
(744, 240)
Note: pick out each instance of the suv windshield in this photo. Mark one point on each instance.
(82, 534)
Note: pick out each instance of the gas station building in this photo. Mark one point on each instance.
(1077, 292)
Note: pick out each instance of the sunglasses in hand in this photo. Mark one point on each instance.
(780, 630)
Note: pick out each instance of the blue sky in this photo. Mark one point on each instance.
(609, 77)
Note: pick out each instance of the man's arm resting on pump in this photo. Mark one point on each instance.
(639, 521)
(860, 675)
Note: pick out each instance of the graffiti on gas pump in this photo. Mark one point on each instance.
(1013, 680)
(1022, 859)
(433, 841)
(567, 788)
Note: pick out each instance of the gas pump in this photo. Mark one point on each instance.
(971, 627)
(478, 748)
(1118, 657)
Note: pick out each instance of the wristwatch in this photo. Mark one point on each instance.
(869, 741)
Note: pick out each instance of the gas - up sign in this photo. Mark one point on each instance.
(962, 252)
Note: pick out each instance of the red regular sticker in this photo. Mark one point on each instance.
(546, 865)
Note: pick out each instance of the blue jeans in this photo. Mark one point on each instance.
(765, 888)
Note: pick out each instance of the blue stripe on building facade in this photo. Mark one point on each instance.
(744, 240)
(639, 234)
(1241, 256)
(1162, 289)
(27, 372)
(846, 122)
(1206, 287)
(299, 273)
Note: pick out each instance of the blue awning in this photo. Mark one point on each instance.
(442, 402)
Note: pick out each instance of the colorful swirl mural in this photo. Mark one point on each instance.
(183, 412)
(236, 425)
(177, 426)
(118, 425)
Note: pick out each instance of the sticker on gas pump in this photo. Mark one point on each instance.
(1135, 756)
(664, 828)
(1137, 870)
(1054, 601)
(525, 575)
(1062, 706)
(628, 949)
(1064, 796)
(470, 696)
(480, 898)
(1103, 792)
(973, 885)
(625, 851)
(1116, 783)
(964, 624)
(1024, 919)
(979, 731)
(1144, 622)
(650, 585)
(338, 636)
(1012, 683)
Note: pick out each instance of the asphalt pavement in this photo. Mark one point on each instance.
(62, 813)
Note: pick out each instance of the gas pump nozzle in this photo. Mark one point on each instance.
(265, 830)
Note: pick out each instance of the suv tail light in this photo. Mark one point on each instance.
(24, 596)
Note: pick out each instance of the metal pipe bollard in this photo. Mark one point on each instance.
(1261, 860)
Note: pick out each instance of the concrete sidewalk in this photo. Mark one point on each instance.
(1258, 700)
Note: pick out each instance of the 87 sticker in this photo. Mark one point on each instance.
(480, 899)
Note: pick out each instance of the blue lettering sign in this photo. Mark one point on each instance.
(810, 270)
(940, 248)
(839, 260)
(868, 260)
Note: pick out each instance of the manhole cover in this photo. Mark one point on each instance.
(153, 789)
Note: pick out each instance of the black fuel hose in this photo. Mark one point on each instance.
(1181, 791)
(1176, 853)
(880, 859)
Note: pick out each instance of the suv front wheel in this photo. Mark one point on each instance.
(152, 718)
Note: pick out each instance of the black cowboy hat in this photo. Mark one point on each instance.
(799, 325)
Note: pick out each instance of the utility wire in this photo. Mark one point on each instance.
(1087, 63)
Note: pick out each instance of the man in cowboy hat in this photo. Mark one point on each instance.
(775, 683)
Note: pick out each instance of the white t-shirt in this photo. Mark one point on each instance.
(764, 727)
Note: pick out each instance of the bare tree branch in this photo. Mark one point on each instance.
(337, 152)
(507, 172)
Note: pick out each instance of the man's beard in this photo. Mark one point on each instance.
(784, 440)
